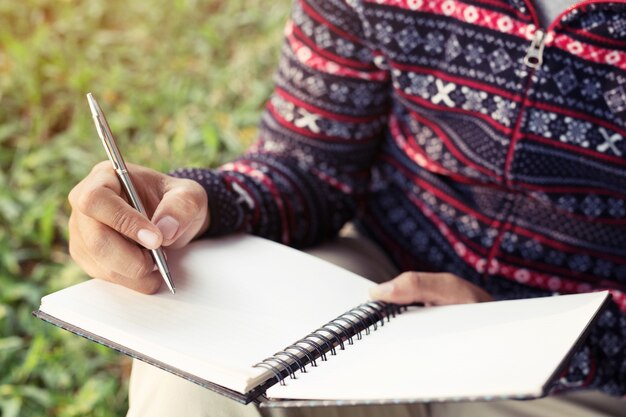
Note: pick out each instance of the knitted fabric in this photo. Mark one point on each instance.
(419, 120)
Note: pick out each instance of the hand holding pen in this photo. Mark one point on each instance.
(119, 166)
(104, 226)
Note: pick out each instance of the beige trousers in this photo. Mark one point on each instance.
(156, 393)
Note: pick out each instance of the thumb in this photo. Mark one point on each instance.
(406, 288)
(182, 213)
(429, 288)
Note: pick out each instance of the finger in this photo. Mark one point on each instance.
(429, 288)
(146, 285)
(100, 199)
(104, 254)
(407, 288)
(182, 213)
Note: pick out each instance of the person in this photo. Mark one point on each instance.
(478, 144)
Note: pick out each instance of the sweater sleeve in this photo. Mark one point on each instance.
(309, 167)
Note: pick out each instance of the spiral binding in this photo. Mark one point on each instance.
(328, 338)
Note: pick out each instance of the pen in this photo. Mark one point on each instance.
(113, 152)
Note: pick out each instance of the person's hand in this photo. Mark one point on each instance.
(105, 230)
(429, 288)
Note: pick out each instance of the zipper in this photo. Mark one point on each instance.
(534, 54)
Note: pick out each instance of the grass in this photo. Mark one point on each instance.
(183, 83)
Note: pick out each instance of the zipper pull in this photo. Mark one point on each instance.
(534, 55)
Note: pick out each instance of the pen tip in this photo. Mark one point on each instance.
(169, 282)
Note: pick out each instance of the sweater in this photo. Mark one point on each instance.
(459, 136)
(549, 10)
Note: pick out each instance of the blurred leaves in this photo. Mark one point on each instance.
(182, 82)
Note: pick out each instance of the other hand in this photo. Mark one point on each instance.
(429, 288)
(105, 229)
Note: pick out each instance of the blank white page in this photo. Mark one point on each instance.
(238, 301)
(496, 349)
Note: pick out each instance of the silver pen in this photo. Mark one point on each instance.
(119, 166)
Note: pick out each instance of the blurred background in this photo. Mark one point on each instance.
(182, 83)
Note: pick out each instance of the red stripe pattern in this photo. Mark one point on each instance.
(419, 120)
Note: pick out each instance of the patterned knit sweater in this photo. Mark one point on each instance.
(461, 139)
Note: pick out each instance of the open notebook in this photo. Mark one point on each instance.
(250, 315)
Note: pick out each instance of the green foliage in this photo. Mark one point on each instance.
(182, 82)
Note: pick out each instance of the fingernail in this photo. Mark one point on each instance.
(168, 226)
(381, 291)
(155, 268)
(147, 238)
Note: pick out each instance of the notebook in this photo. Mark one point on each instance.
(258, 321)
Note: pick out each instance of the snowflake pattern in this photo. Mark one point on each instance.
(567, 203)
(555, 257)
(322, 37)
(420, 85)
(539, 122)
(474, 54)
(617, 25)
(434, 43)
(453, 48)
(591, 88)
(505, 110)
(384, 32)
(315, 86)
(408, 39)
(577, 131)
(500, 60)
(531, 249)
(473, 99)
(436, 66)
(344, 47)
(469, 226)
(616, 208)
(592, 206)
(566, 80)
(593, 20)
(339, 92)
(361, 96)
(509, 242)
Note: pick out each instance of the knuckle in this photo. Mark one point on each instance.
(193, 190)
(85, 201)
(101, 166)
(141, 268)
(72, 196)
(123, 222)
(414, 279)
(186, 203)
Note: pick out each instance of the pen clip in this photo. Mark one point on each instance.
(104, 132)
